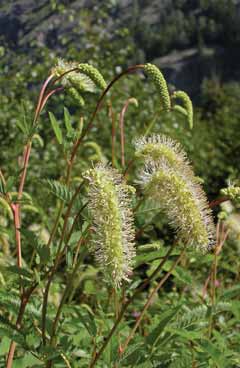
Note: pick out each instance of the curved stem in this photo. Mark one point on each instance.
(17, 212)
(98, 106)
(218, 201)
(40, 98)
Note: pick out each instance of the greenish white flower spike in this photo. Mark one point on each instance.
(113, 243)
(158, 147)
(167, 177)
(158, 79)
(187, 104)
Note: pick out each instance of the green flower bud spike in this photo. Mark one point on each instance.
(187, 105)
(76, 96)
(113, 243)
(180, 109)
(93, 74)
(158, 79)
(179, 193)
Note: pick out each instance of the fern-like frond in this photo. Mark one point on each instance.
(59, 189)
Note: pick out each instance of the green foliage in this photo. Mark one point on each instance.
(58, 189)
(192, 320)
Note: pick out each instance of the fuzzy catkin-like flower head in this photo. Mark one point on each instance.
(158, 79)
(158, 147)
(113, 244)
(168, 178)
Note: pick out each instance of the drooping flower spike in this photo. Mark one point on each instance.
(158, 147)
(187, 108)
(167, 177)
(158, 79)
(113, 243)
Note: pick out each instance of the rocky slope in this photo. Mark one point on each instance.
(186, 39)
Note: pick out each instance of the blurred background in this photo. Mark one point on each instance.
(194, 42)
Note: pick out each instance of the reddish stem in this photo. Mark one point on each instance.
(90, 124)
(26, 156)
(17, 212)
(40, 98)
(49, 94)
(218, 201)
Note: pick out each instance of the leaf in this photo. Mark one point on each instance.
(67, 120)
(165, 318)
(191, 316)
(56, 128)
(88, 321)
(19, 271)
(150, 256)
(214, 353)
(44, 254)
(231, 292)
(9, 184)
(60, 190)
(186, 334)
(182, 360)
(133, 354)
(27, 361)
(9, 330)
(12, 302)
(2, 188)
(182, 275)
(75, 238)
(23, 123)
(21, 126)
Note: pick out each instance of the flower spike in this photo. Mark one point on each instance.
(167, 177)
(113, 244)
(158, 79)
(187, 106)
